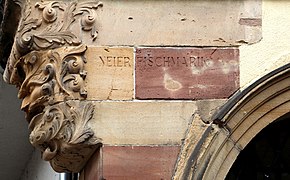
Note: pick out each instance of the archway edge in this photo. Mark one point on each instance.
(237, 122)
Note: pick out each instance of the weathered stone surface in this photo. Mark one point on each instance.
(139, 162)
(206, 108)
(94, 167)
(110, 73)
(132, 162)
(187, 73)
(191, 148)
(199, 23)
(51, 84)
(142, 123)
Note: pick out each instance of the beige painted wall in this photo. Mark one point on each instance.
(273, 50)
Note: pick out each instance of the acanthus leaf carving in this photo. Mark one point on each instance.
(54, 40)
(61, 130)
(52, 76)
(49, 14)
(53, 91)
(86, 133)
(88, 20)
(53, 29)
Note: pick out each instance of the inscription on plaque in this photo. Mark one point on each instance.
(192, 61)
(113, 61)
(110, 73)
(187, 73)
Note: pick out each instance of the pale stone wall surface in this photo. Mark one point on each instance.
(142, 123)
(175, 23)
(112, 73)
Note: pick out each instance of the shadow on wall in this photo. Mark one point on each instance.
(38, 169)
(15, 147)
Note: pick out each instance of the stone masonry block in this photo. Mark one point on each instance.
(110, 73)
(186, 73)
(131, 163)
(139, 162)
(179, 23)
(143, 123)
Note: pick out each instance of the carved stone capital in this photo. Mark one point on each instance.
(51, 84)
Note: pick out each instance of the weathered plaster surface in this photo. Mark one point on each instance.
(273, 50)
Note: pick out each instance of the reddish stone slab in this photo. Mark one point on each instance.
(139, 162)
(93, 169)
(186, 73)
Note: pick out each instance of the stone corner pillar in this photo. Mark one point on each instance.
(48, 64)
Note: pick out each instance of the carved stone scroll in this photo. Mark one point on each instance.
(49, 77)
(51, 84)
(50, 25)
(62, 134)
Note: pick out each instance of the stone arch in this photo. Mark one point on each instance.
(240, 120)
(267, 155)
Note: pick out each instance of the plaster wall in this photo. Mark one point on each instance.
(273, 50)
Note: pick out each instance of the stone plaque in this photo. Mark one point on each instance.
(187, 73)
(110, 73)
(179, 23)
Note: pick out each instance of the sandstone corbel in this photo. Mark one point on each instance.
(48, 65)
